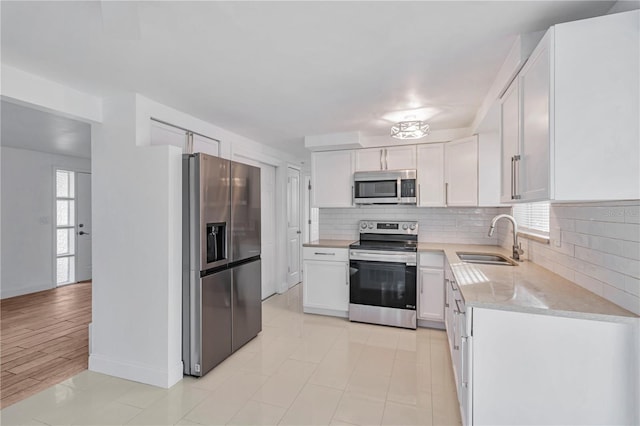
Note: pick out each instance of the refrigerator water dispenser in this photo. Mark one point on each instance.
(216, 242)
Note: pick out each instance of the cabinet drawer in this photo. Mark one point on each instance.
(431, 260)
(326, 253)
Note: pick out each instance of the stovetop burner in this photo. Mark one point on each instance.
(387, 236)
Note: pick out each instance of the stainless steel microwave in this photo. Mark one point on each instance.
(385, 187)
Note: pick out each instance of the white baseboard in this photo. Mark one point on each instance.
(431, 324)
(136, 372)
(6, 293)
(323, 311)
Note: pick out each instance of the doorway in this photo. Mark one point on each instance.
(73, 227)
(293, 226)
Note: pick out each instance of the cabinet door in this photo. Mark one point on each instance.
(205, 145)
(431, 294)
(533, 166)
(510, 139)
(332, 179)
(326, 285)
(431, 175)
(400, 157)
(164, 134)
(461, 172)
(369, 159)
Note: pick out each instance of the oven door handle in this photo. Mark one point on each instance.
(408, 259)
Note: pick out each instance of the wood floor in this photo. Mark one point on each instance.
(43, 340)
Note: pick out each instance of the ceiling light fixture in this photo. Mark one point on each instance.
(414, 129)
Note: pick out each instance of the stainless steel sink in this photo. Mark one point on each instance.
(486, 259)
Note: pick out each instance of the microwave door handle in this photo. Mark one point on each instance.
(399, 189)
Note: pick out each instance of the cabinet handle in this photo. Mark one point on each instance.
(458, 308)
(386, 159)
(446, 194)
(421, 287)
(346, 271)
(324, 254)
(513, 176)
(418, 194)
(516, 180)
(382, 159)
(353, 195)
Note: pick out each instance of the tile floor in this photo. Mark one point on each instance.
(301, 370)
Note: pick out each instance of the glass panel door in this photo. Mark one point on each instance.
(65, 235)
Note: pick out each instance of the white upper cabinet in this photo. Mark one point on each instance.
(391, 158)
(188, 142)
(461, 172)
(572, 113)
(532, 166)
(400, 157)
(205, 145)
(430, 175)
(332, 179)
(595, 108)
(510, 136)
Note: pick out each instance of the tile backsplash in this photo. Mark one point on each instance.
(595, 245)
(468, 225)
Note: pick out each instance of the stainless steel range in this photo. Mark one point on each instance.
(383, 274)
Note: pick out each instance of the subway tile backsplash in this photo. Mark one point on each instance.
(595, 245)
(467, 225)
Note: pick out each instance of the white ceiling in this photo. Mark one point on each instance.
(28, 128)
(277, 71)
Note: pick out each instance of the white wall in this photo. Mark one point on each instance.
(595, 245)
(467, 225)
(28, 218)
(135, 331)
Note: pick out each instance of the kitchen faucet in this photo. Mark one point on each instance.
(517, 248)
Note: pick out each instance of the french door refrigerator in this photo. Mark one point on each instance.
(221, 288)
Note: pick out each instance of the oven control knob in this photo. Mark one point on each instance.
(370, 225)
(405, 226)
(364, 225)
(413, 227)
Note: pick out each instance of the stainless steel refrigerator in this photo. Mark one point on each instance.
(221, 288)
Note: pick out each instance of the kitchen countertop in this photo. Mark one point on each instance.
(329, 243)
(523, 288)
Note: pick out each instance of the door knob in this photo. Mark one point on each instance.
(83, 233)
(298, 232)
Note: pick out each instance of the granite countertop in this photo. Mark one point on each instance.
(329, 243)
(523, 288)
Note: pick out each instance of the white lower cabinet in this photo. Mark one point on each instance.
(431, 287)
(326, 281)
(523, 368)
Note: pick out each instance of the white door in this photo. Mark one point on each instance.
(268, 229)
(83, 227)
(293, 226)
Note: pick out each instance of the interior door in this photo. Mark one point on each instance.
(268, 229)
(83, 226)
(293, 226)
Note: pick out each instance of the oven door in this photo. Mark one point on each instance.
(376, 282)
